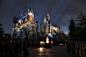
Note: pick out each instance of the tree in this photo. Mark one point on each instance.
(71, 29)
(81, 27)
(78, 31)
(1, 32)
(81, 20)
(9, 37)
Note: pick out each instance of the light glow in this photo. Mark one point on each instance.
(52, 42)
(47, 39)
(30, 19)
(53, 28)
(41, 49)
(20, 21)
(30, 14)
(48, 18)
(41, 42)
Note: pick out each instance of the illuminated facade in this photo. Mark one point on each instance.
(47, 26)
(30, 14)
(26, 28)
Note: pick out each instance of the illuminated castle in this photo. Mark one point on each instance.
(47, 28)
(47, 23)
(26, 28)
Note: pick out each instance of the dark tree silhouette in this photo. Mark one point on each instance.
(78, 31)
(81, 27)
(71, 29)
(81, 20)
(1, 32)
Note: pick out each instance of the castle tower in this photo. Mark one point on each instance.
(37, 24)
(30, 14)
(21, 14)
(45, 25)
(31, 9)
(26, 17)
(59, 27)
(48, 19)
(60, 31)
(47, 16)
(44, 19)
(41, 27)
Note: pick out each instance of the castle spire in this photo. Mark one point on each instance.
(31, 9)
(21, 14)
(44, 19)
(48, 13)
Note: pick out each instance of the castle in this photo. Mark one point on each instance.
(26, 28)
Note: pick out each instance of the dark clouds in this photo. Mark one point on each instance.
(60, 11)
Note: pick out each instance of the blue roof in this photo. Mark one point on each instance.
(21, 18)
(50, 35)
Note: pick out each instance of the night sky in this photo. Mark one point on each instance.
(60, 11)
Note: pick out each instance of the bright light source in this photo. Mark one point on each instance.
(30, 13)
(53, 28)
(41, 49)
(31, 19)
(52, 42)
(47, 39)
(41, 42)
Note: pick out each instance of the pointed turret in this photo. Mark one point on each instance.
(47, 16)
(37, 21)
(59, 27)
(48, 19)
(41, 23)
(28, 10)
(31, 9)
(37, 24)
(44, 19)
(30, 14)
(21, 14)
(40, 27)
(26, 17)
(48, 13)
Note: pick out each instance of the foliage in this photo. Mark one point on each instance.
(81, 27)
(9, 37)
(1, 32)
(79, 31)
(81, 20)
(71, 28)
